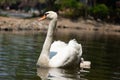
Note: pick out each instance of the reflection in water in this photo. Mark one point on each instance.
(59, 74)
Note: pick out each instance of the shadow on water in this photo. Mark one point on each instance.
(19, 54)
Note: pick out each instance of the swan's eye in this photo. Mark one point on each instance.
(46, 14)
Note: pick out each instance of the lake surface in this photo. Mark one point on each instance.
(19, 53)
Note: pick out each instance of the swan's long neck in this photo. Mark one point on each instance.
(49, 37)
(44, 56)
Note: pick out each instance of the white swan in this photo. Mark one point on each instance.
(85, 64)
(58, 53)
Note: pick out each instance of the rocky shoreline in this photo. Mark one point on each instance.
(18, 24)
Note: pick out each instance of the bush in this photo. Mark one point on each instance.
(117, 16)
(68, 4)
(99, 11)
(71, 8)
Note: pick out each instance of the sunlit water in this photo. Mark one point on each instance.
(19, 54)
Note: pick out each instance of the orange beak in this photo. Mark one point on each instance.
(42, 18)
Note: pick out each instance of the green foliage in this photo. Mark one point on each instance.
(68, 3)
(118, 11)
(118, 14)
(8, 1)
(100, 11)
(4, 15)
(71, 8)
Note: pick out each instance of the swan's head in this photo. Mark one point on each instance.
(49, 15)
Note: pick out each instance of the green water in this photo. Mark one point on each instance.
(19, 54)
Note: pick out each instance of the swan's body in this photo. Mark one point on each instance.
(85, 64)
(58, 53)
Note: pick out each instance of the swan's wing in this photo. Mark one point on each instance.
(65, 57)
(80, 51)
(73, 53)
(78, 48)
(66, 54)
(57, 45)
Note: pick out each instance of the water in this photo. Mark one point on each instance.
(15, 14)
(19, 54)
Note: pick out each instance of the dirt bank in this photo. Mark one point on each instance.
(17, 24)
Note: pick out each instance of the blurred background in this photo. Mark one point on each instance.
(105, 10)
